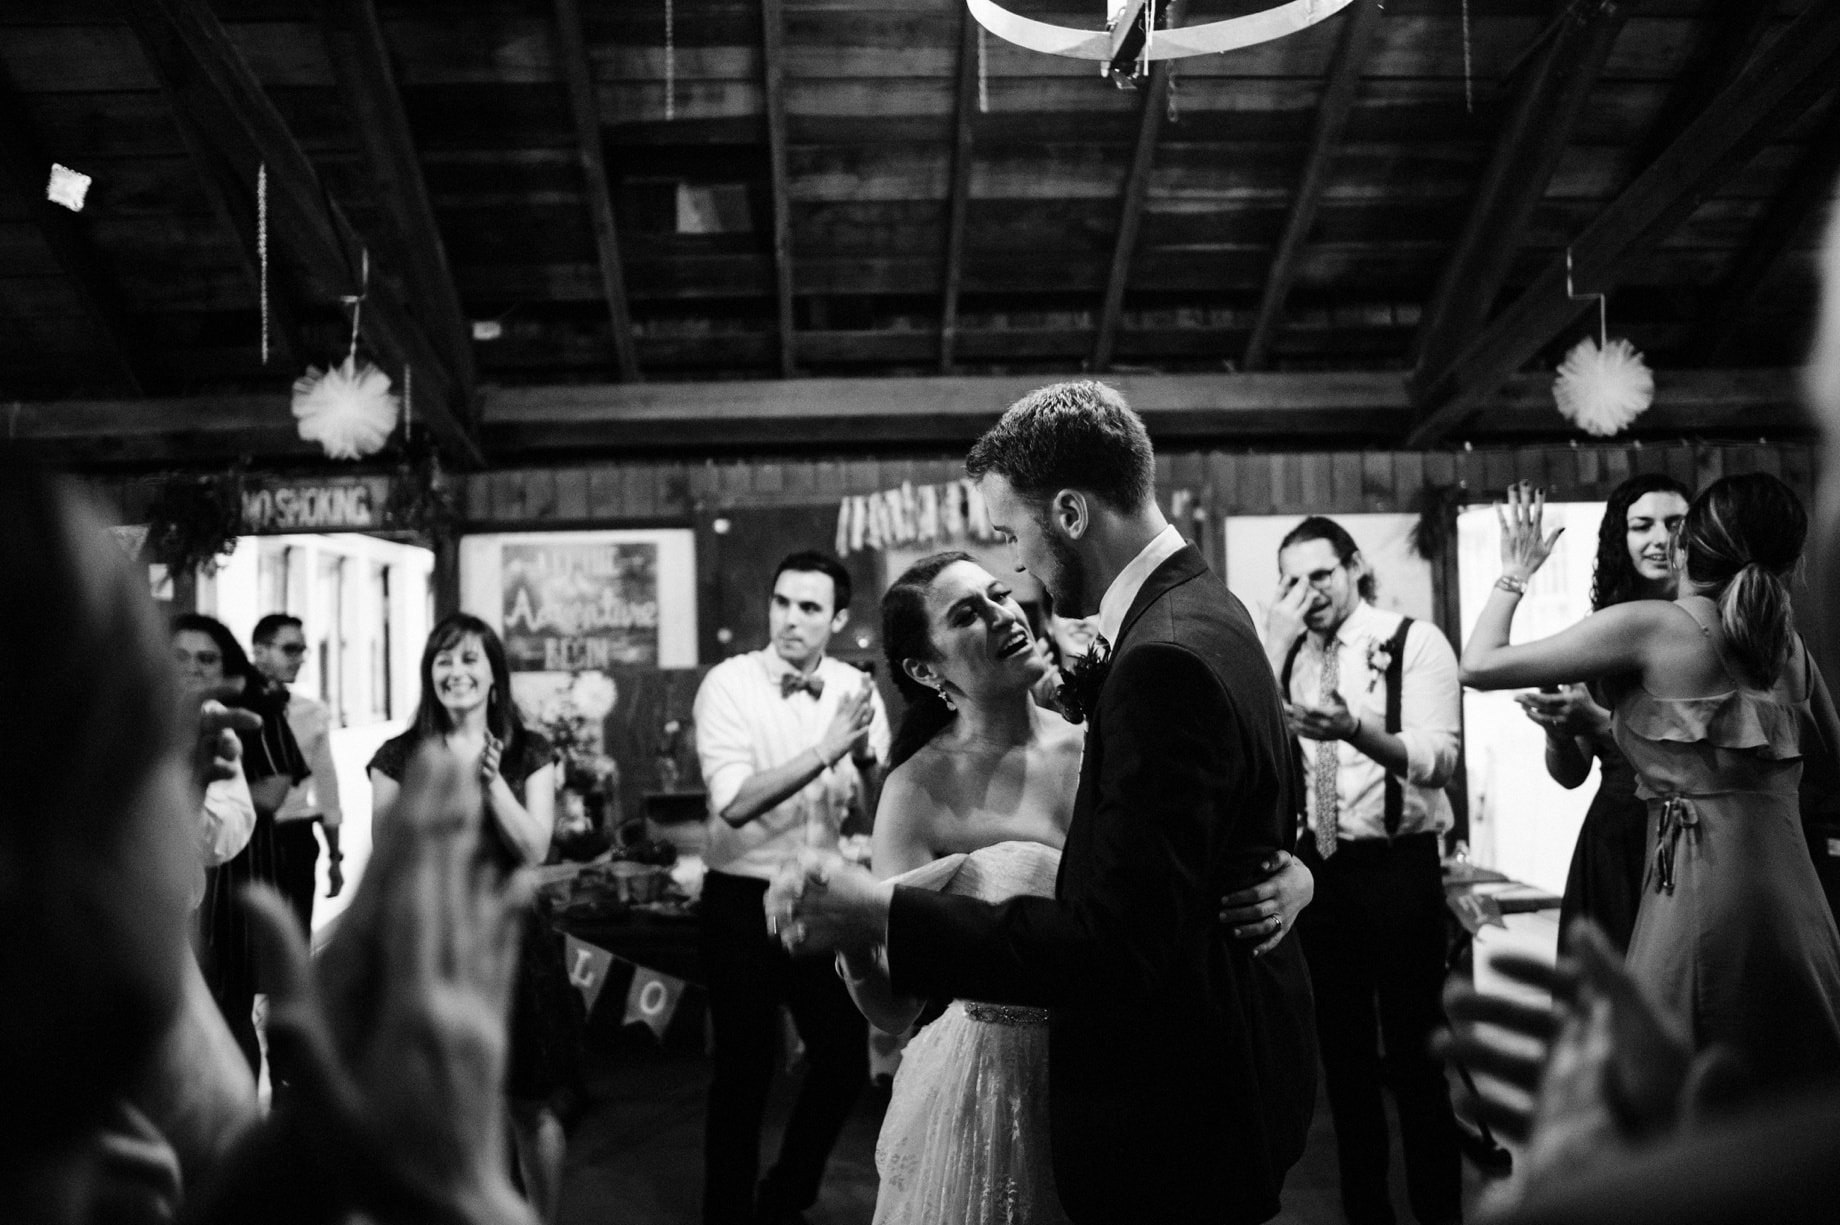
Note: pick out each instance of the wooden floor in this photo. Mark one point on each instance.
(635, 1158)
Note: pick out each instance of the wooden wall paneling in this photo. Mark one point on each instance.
(801, 479)
(831, 478)
(703, 483)
(709, 645)
(1439, 467)
(863, 476)
(1614, 467)
(734, 482)
(572, 494)
(1585, 461)
(1798, 472)
(1255, 483)
(639, 492)
(1767, 459)
(1408, 477)
(540, 495)
(1647, 459)
(1223, 483)
(604, 491)
(770, 477)
(1346, 481)
(1318, 488)
(1499, 470)
(1287, 484)
(1379, 482)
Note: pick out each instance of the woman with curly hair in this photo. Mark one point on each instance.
(1634, 562)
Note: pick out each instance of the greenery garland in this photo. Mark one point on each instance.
(421, 498)
(194, 519)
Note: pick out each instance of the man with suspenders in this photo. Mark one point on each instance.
(1374, 700)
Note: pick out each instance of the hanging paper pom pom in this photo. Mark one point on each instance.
(348, 410)
(1603, 390)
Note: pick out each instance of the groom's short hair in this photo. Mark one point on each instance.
(1079, 435)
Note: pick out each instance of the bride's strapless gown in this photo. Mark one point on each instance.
(965, 1138)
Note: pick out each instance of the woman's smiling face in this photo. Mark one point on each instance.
(980, 635)
(462, 675)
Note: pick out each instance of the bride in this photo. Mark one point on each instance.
(977, 800)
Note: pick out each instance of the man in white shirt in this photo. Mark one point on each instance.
(278, 648)
(789, 740)
(1374, 698)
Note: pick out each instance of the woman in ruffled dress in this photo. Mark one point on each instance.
(1716, 705)
(977, 800)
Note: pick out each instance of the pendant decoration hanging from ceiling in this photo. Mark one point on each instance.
(1131, 38)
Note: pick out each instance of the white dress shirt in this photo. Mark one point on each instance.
(745, 726)
(317, 795)
(1122, 593)
(1430, 721)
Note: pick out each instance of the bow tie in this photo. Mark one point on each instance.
(791, 682)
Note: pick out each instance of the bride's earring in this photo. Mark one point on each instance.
(945, 697)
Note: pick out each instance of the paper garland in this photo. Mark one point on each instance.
(651, 998)
(926, 514)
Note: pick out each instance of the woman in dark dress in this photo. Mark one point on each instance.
(211, 660)
(1634, 544)
(466, 705)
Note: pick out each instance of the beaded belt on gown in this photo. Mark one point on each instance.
(1005, 1014)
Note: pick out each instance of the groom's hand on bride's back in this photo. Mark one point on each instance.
(1266, 911)
(820, 903)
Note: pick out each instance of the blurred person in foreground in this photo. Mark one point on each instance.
(1622, 1121)
(124, 1095)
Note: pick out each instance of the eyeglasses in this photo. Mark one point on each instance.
(292, 648)
(204, 659)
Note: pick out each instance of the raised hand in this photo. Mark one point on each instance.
(848, 733)
(216, 750)
(1328, 720)
(1270, 908)
(1284, 622)
(489, 757)
(398, 1037)
(1524, 544)
(1586, 1079)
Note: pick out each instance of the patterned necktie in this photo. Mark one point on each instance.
(1328, 756)
(792, 682)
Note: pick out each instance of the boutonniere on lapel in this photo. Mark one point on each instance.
(1081, 681)
(1379, 659)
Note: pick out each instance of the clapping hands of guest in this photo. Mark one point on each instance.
(489, 757)
(819, 903)
(1587, 1080)
(1329, 719)
(399, 1032)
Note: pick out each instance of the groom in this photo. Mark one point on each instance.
(1182, 1067)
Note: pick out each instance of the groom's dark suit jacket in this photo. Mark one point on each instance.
(1182, 1068)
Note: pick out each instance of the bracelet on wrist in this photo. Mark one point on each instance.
(1513, 583)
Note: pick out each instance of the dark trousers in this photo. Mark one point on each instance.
(749, 977)
(297, 867)
(226, 950)
(1374, 939)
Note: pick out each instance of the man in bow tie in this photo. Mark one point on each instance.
(790, 740)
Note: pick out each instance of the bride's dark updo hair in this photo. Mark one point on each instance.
(1743, 537)
(908, 634)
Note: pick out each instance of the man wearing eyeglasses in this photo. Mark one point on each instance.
(279, 647)
(1374, 701)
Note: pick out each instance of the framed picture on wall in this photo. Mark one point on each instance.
(576, 601)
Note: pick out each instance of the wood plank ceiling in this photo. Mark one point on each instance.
(866, 187)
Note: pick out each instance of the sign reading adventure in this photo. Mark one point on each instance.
(324, 504)
(575, 606)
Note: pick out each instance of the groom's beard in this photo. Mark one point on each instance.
(1066, 580)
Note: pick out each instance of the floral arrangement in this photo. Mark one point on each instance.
(674, 736)
(194, 519)
(587, 779)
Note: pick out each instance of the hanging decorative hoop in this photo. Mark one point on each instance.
(1209, 38)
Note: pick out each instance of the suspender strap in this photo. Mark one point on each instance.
(1395, 810)
(1298, 762)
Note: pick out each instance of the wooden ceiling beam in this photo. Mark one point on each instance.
(1344, 79)
(1326, 410)
(1545, 110)
(1722, 54)
(361, 61)
(26, 168)
(209, 82)
(572, 49)
(1809, 189)
(1131, 201)
(958, 196)
(773, 72)
(1776, 86)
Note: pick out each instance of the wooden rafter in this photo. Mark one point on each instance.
(1809, 188)
(25, 167)
(1723, 52)
(1131, 202)
(958, 196)
(361, 60)
(1546, 108)
(572, 44)
(1322, 407)
(208, 81)
(1777, 85)
(1344, 79)
(773, 72)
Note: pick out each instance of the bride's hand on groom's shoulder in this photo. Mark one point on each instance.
(820, 903)
(1266, 911)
